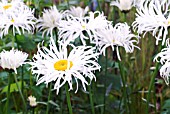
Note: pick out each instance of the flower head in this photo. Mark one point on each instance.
(32, 101)
(12, 59)
(74, 27)
(153, 17)
(8, 7)
(49, 20)
(123, 5)
(120, 35)
(24, 19)
(164, 58)
(55, 64)
(19, 18)
(78, 11)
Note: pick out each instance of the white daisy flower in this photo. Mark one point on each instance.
(32, 101)
(49, 20)
(78, 11)
(153, 17)
(74, 27)
(12, 59)
(8, 7)
(123, 5)
(57, 65)
(19, 20)
(120, 35)
(164, 58)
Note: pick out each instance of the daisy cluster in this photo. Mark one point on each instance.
(62, 65)
(153, 16)
(66, 61)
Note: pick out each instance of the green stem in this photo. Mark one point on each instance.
(152, 84)
(104, 93)
(8, 96)
(99, 6)
(22, 97)
(33, 110)
(150, 87)
(68, 99)
(68, 4)
(124, 86)
(61, 102)
(22, 80)
(49, 97)
(91, 99)
(15, 105)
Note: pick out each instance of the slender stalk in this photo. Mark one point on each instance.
(15, 105)
(152, 84)
(49, 97)
(150, 87)
(8, 96)
(22, 97)
(124, 86)
(104, 93)
(33, 110)
(68, 4)
(22, 80)
(91, 100)
(31, 80)
(99, 6)
(68, 100)
(61, 102)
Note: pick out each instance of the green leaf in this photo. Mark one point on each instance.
(13, 87)
(26, 42)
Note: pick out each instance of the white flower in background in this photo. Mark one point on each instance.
(153, 17)
(138, 3)
(12, 59)
(55, 64)
(78, 11)
(32, 101)
(49, 20)
(123, 5)
(8, 7)
(74, 27)
(164, 58)
(119, 36)
(19, 19)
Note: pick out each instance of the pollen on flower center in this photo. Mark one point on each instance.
(113, 41)
(12, 21)
(7, 6)
(83, 26)
(63, 65)
(169, 22)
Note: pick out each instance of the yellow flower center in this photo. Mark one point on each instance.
(113, 41)
(63, 65)
(12, 21)
(83, 26)
(7, 6)
(169, 22)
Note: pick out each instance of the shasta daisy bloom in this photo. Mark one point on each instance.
(8, 7)
(74, 27)
(119, 36)
(123, 5)
(49, 20)
(20, 20)
(164, 58)
(153, 16)
(78, 11)
(12, 59)
(59, 66)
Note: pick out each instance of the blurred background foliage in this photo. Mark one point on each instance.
(138, 69)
